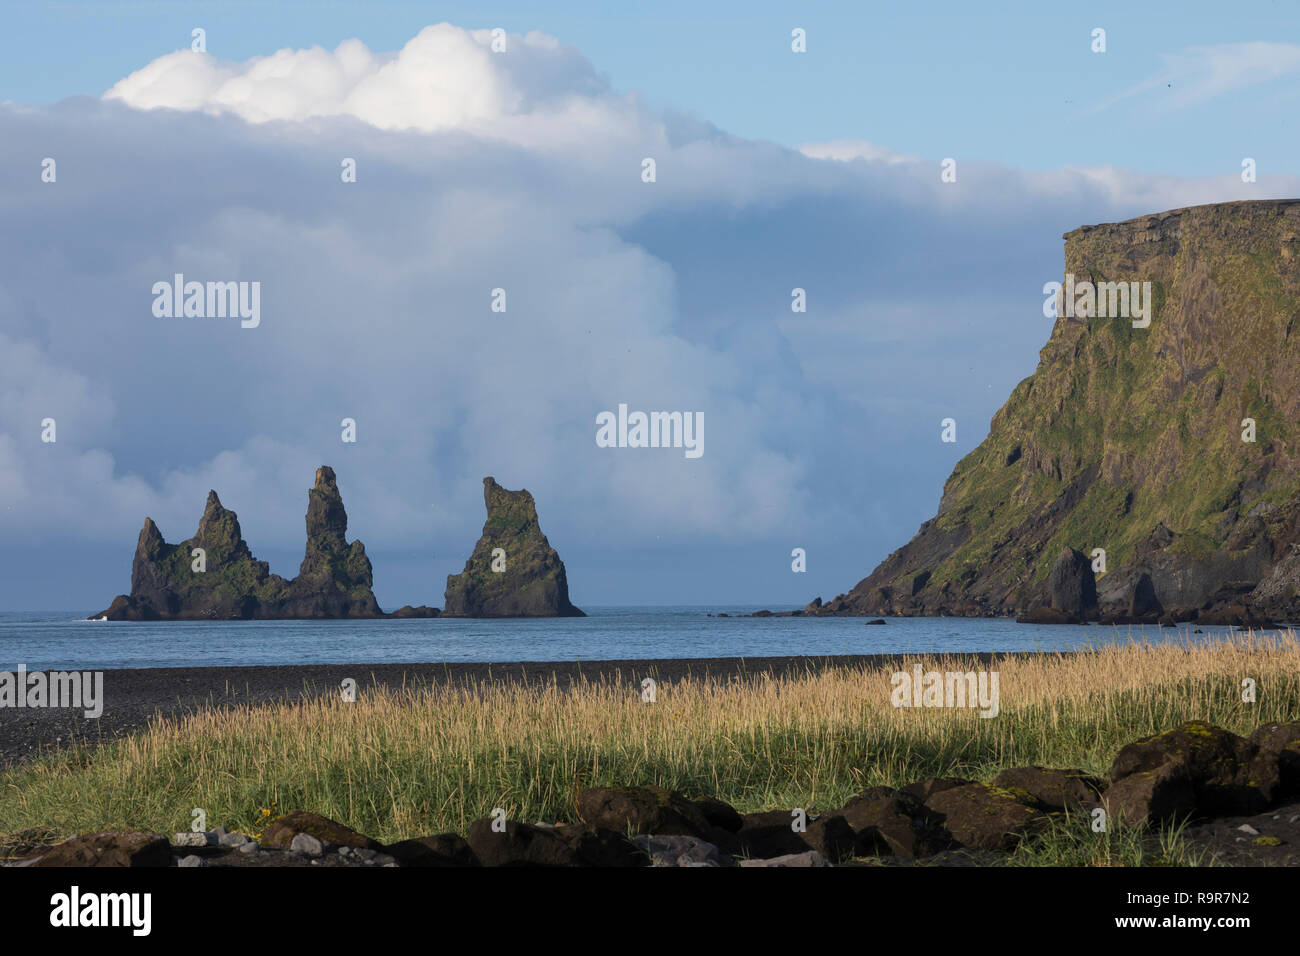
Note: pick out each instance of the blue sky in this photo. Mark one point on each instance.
(1014, 83)
(523, 170)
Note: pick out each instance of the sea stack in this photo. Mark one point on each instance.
(335, 578)
(1158, 451)
(514, 571)
(214, 576)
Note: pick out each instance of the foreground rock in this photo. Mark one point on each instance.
(1200, 770)
(681, 851)
(774, 834)
(214, 575)
(1053, 789)
(283, 831)
(981, 817)
(810, 858)
(444, 849)
(653, 810)
(1271, 838)
(520, 844)
(514, 571)
(108, 849)
(894, 822)
(1131, 440)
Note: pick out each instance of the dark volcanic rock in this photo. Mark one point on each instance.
(1212, 762)
(172, 582)
(719, 813)
(533, 582)
(923, 789)
(896, 822)
(1151, 796)
(422, 611)
(1071, 584)
(1275, 767)
(107, 849)
(280, 833)
(772, 834)
(444, 849)
(1053, 789)
(1046, 615)
(647, 810)
(1144, 604)
(520, 844)
(986, 818)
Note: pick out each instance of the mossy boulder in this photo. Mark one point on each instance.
(648, 809)
(1069, 789)
(982, 817)
(772, 834)
(520, 844)
(1275, 766)
(1159, 795)
(441, 850)
(280, 832)
(888, 822)
(1215, 763)
(514, 571)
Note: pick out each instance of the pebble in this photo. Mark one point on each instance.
(1248, 829)
(307, 845)
(672, 850)
(190, 861)
(811, 858)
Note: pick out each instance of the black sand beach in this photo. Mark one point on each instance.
(132, 697)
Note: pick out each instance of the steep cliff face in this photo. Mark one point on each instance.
(514, 571)
(1130, 440)
(224, 580)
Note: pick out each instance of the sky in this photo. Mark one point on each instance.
(523, 169)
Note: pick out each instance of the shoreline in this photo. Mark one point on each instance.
(133, 695)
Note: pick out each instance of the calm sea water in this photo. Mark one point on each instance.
(64, 640)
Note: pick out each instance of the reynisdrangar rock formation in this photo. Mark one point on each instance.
(169, 582)
(1172, 448)
(514, 571)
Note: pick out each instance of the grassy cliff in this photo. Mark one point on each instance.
(1131, 439)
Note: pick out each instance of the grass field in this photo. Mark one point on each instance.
(432, 759)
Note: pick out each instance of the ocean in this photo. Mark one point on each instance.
(64, 640)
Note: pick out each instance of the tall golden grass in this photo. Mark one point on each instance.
(405, 762)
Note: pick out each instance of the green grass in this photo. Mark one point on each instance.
(427, 760)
